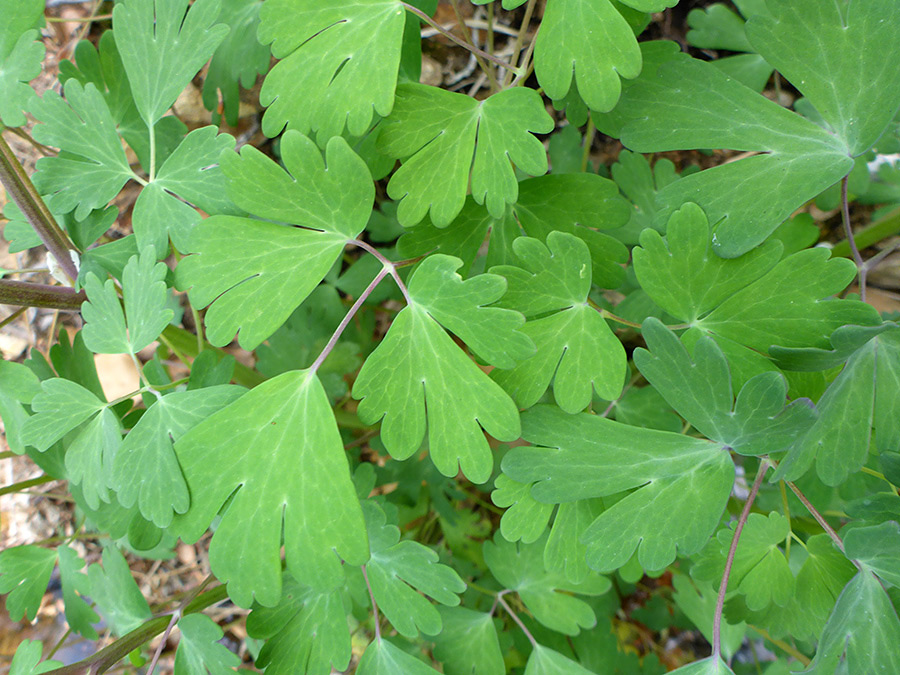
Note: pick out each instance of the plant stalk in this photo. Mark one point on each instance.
(857, 258)
(25, 294)
(25, 484)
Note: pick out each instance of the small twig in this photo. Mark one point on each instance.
(515, 618)
(12, 317)
(25, 484)
(176, 617)
(729, 561)
(374, 604)
(88, 19)
(857, 258)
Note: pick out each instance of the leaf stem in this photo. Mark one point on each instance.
(392, 268)
(12, 317)
(886, 226)
(20, 188)
(152, 173)
(787, 514)
(821, 520)
(27, 294)
(606, 314)
(8, 454)
(857, 258)
(462, 43)
(588, 142)
(517, 46)
(374, 604)
(176, 617)
(729, 561)
(515, 618)
(382, 273)
(25, 484)
(782, 645)
(467, 34)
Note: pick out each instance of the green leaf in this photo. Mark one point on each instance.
(199, 651)
(190, 173)
(237, 61)
(545, 661)
(93, 168)
(444, 136)
(338, 64)
(565, 553)
(21, 55)
(825, 50)
(61, 406)
(18, 386)
(305, 633)
(27, 659)
(416, 367)
(709, 666)
(314, 503)
(163, 44)
(145, 470)
(399, 571)
(698, 602)
(546, 594)
(117, 596)
(24, 575)
(640, 183)
(383, 658)
(877, 547)
(863, 632)
(576, 349)
(586, 456)
(89, 457)
(144, 288)
(699, 389)
(717, 27)
(468, 643)
(248, 268)
(491, 332)
(75, 586)
(524, 517)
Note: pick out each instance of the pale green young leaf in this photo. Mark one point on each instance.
(877, 547)
(163, 43)
(191, 173)
(199, 651)
(401, 573)
(584, 456)
(383, 658)
(444, 137)
(237, 61)
(305, 634)
(314, 504)
(20, 62)
(248, 269)
(338, 65)
(459, 306)
(546, 594)
(145, 470)
(27, 659)
(546, 661)
(863, 632)
(24, 575)
(524, 518)
(61, 406)
(18, 386)
(576, 349)
(825, 49)
(468, 643)
(75, 587)
(93, 168)
(117, 595)
(416, 367)
(89, 457)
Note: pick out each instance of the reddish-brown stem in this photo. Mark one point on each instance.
(857, 258)
(515, 618)
(25, 294)
(374, 604)
(819, 519)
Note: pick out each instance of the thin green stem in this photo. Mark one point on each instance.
(588, 142)
(12, 317)
(8, 454)
(820, 519)
(517, 46)
(857, 258)
(89, 19)
(606, 314)
(467, 35)
(25, 484)
(152, 173)
(782, 645)
(787, 514)
(374, 604)
(490, 28)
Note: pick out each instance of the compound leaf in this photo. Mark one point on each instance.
(878, 547)
(163, 44)
(255, 273)
(27, 659)
(468, 643)
(547, 594)
(546, 661)
(338, 65)
(90, 454)
(418, 367)
(447, 136)
(524, 518)
(199, 651)
(75, 586)
(61, 406)
(565, 553)
(306, 632)
(18, 386)
(24, 575)
(314, 504)
(383, 658)
(117, 595)
(21, 56)
(399, 571)
(144, 288)
(145, 470)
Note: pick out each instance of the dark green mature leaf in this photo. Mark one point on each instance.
(237, 61)
(306, 633)
(468, 643)
(545, 661)
(699, 389)
(383, 658)
(24, 575)
(239, 455)
(75, 587)
(863, 632)
(117, 596)
(145, 470)
(825, 50)
(448, 136)
(399, 571)
(878, 547)
(144, 288)
(587, 456)
(339, 64)
(255, 273)
(576, 349)
(199, 651)
(163, 44)
(416, 367)
(27, 659)
(93, 168)
(547, 594)
(18, 386)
